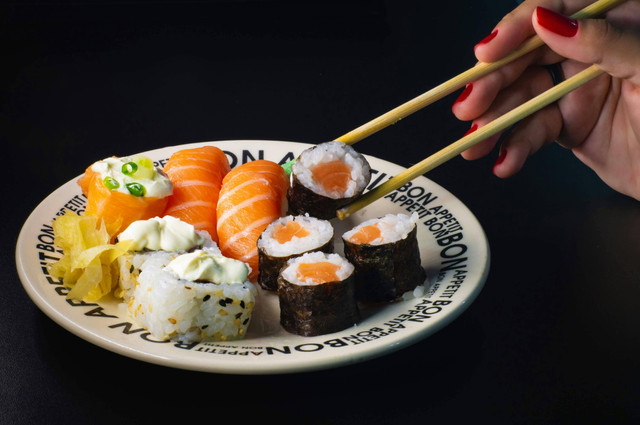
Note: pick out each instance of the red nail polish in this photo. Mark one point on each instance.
(473, 128)
(500, 160)
(465, 93)
(556, 23)
(487, 38)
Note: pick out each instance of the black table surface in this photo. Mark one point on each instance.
(553, 336)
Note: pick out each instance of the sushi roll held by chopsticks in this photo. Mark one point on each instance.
(386, 257)
(289, 237)
(327, 177)
(317, 295)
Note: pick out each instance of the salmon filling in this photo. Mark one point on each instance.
(366, 234)
(284, 233)
(319, 272)
(333, 176)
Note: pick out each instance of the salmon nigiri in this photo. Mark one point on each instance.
(252, 196)
(197, 176)
(122, 190)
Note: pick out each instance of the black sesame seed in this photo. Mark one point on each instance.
(131, 269)
(222, 303)
(228, 300)
(245, 321)
(238, 315)
(206, 298)
(242, 304)
(205, 326)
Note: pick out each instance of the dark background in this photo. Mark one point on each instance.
(553, 336)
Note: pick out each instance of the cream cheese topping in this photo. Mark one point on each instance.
(162, 234)
(201, 265)
(155, 182)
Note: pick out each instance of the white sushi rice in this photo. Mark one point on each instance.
(290, 271)
(173, 308)
(393, 227)
(320, 233)
(418, 292)
(327, 152)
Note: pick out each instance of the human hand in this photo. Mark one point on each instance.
(599, 122)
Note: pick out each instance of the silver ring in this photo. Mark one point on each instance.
(555, 71)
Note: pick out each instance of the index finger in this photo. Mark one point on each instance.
(515, 27)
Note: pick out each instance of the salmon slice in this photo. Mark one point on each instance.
(319, 272)
(283, 233)
(117, 209)
(366, 234)
(197, 176)
(252, 196)
(333, 176)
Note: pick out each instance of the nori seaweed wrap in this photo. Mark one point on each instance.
(317, 295)
(289, 237)
(386, 257)
(327, 177)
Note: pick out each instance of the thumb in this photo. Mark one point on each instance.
(591, 41)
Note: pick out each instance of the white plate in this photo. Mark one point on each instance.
(453, 246)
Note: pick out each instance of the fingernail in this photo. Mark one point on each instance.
(473, 128)
(556, 23)
(500, 160)
(487, 38)
(465, 93)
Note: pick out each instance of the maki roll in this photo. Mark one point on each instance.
(325, 178)
(386, 257)
(316, 294)
(289, 237)
(193, 297)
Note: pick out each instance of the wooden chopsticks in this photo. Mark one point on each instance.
(460, 80)
(482, 133)
(488, 130)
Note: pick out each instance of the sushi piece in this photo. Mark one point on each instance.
(193, 297)
(122, 190)
(386, 257)
(289, 237)
(177, 284)
(145, 238)
(197, 176)
(252, 196)
(317, 294)
(325, 178)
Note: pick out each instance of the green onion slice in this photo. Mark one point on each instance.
(111, 183)
(129, 168)
(136, 189)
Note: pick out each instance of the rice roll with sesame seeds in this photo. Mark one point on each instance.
(193, 297)
(179, 286)
(317, 294)
(325, 178)
(386, 257)
(289, 237)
